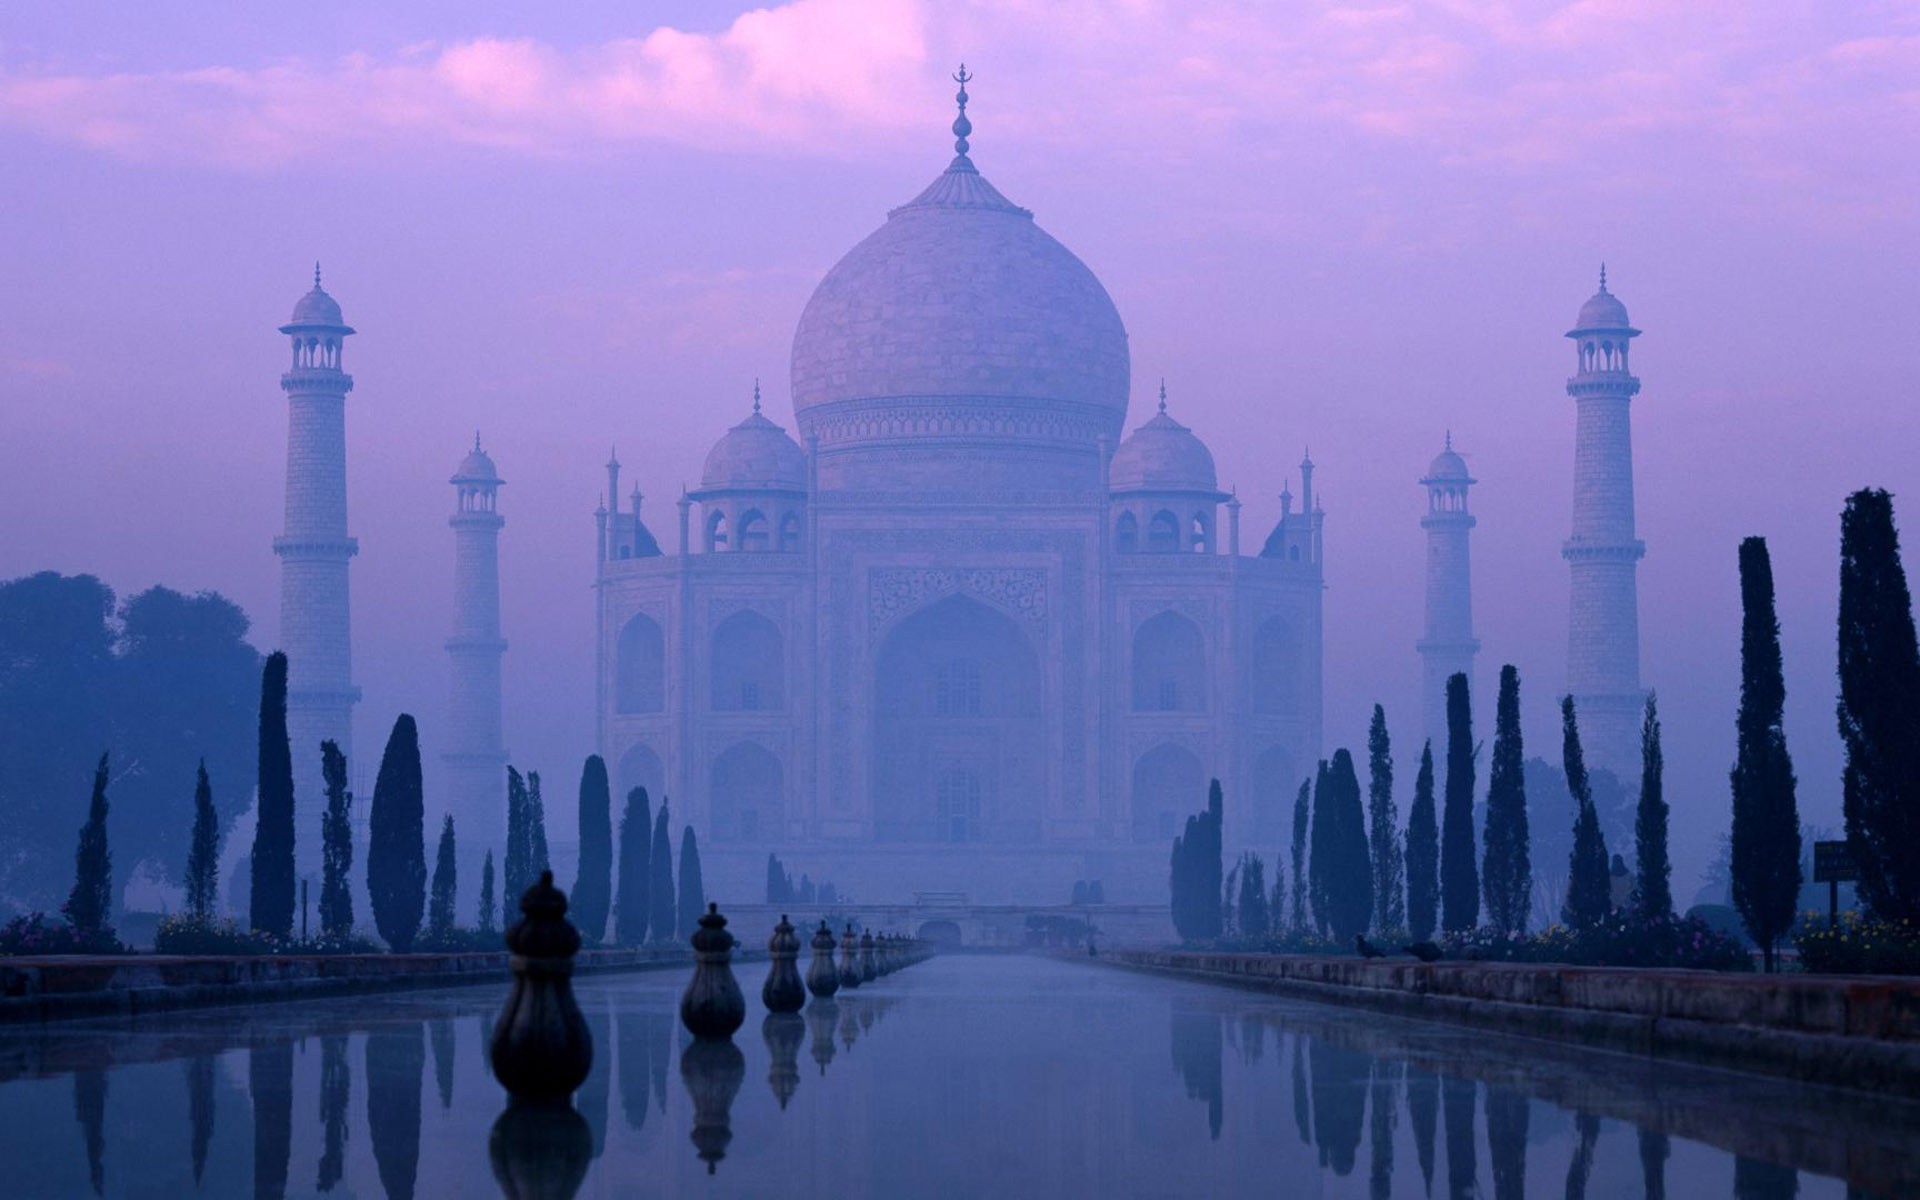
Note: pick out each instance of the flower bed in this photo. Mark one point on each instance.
(1858, 946)
(1622, 940)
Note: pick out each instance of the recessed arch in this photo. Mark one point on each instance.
(748, 665)
(1163, 533)
(639, 767)
(716, 531)
(1168, 784)
(640, 667)
(1169, 665)
(753, 532)
(1126, 534)
(790, 533)
(746, 794)
(1276, 668)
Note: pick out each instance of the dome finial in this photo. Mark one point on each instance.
(1163, 395)
(1449, 439)
(756, 393)
(961, 126)
(476, 439)
(316, 274)
(1603, 277)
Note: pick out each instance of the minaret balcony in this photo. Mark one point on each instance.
(1603, 383)
(316, 379)
(321, 548)
(1576, 551)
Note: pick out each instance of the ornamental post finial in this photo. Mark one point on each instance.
(961, 126)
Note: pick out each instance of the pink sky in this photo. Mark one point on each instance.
(1349, 227)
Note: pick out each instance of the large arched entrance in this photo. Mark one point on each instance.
(957, 728)
(748, 665)
(746, 795)
(1169, 665)
(1168, 785)
(640, 667)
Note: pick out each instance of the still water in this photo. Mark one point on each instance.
(962, 1077)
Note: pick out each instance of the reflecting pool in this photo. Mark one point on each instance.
(962, 1077)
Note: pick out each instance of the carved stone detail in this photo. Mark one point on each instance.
(894, 592)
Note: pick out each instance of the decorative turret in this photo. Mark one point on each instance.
(753, 489)
(1448, 646)
(1166, 494)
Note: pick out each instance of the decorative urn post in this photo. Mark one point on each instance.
(713, 1071)
(823, 980)
(541, 1048)
(849, 959)
(869, 969)
(784, 991)
(712, 1006)
(783, 1033)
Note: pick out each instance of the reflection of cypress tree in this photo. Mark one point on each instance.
(200, 1108)
(1756, 1180)
(591, 1099)
(1456, 1109)
(1197, 1043)
(1302, 1103)
(1423, 1111)
(1580, 1170)
(1507, 1142)
(336, 1084)
(440, 1032)
(90, 1109)
(1385, 1115)
(631, 1030)
(661, 1025)
(396, 1065)
(1339, 1095)
(270, 1084)
(1655, 1149)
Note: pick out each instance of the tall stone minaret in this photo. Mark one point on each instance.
(313, 552)
(476, 756)
(1603, 643)
(1448, 646)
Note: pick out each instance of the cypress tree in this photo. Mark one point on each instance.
(445, 882)
(203, 855)
(1254, 920)
(1298, 917)
(693, 892)
(1180, 880)
(1589, 882)
(1507, 877)
(1383, 828)
(336, 845)
(537, 857)
(592, 897)
(397, 840)
(1879, 697)
(636, 828)
(485, 921)
(1653, 888)
(1349, 883)
(1459, 882)
(1320, 862)
(1209, 869)
(1423, 853)
(90, 903)
(271, 902)
(660, 907)
(518, 867)
(1766, 818)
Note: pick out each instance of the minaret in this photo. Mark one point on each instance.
(476, 757)
(313, 552)
(1448, 646)
(1603, 644)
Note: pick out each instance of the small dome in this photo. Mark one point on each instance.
(476, 467)
(1448, 465)
(316, 308)
(756, 453)
(1602, 311)
(1162, 456)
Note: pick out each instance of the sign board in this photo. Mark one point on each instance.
(1833, 863)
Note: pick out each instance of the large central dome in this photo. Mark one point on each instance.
(960, 332)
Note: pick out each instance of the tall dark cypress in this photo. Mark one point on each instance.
(1423, 853)
(336, 845)
(1297, 919)
(488, 911)
(518, 872)
(203, 854)
(1766, 817)
(1459, 877)
(1320, 861)
(1589, 882)
(1350, 882)
(270, 907)
(396, 842)
(1653, 885)
(693, 890)
(1180, 880)
(446, 882)
(660, 909)
(90, 903)
(592, 898)
(1879, 697)
(1211, 870)
(636, 832)
(1507, 877)
(537, 857)
(1383, 828)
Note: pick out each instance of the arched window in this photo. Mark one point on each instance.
(640, 667)
(752, 534)
(1126, 534)
(1168, 784)
(1276, 668)
(956, 804)
(748, 665)
(1169, 665)
(746, 794)
(1163, 533)
(1201, 542)
(716, 532)
(790, 533)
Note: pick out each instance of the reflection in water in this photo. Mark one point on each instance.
(1655, 1149)
(663, 1026)
(712, 1070)
(539, 1151)
(1253, 1039)
(1456, 1110)
(270, 1084)
(633, 1033)
(396, 1070)
(336, 1085)
(200, 1109)
(1339, 1103)
(1756, 1180)
(1386, 1115)
(849, 1025)
(1197, 1042)
(1423, 1111)
(1507, 1113)
(90, 1109)
(1580, 1169)
(591, 1099)
(783, 1032)
(1302, 1104)
(440, 1031)
(821, 1016)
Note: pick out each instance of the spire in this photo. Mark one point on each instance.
(1449, 439)
(961, 126)
(476, 439)
(756, 393)
(316, 274)
(613, 459)
(1163, 394)
(1603, 277)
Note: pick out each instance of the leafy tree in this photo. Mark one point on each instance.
(592, 898)
(1507, 877)
(660, 908)
(537, 857)
(90, 904)
(203, 854)
(1590, 885)
(1653, 887)
(1459, 882)
(1423, 853)
(1298, 916)
(446, 882)
(636, 825)
(519, 864)
(396, 846)
(1254, 918)
(336, 845)
(271, 905)
(1766, 818)
(1383, 828)
(693, 892)
(1349, 882)
(1879, 697)
(487, 910)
